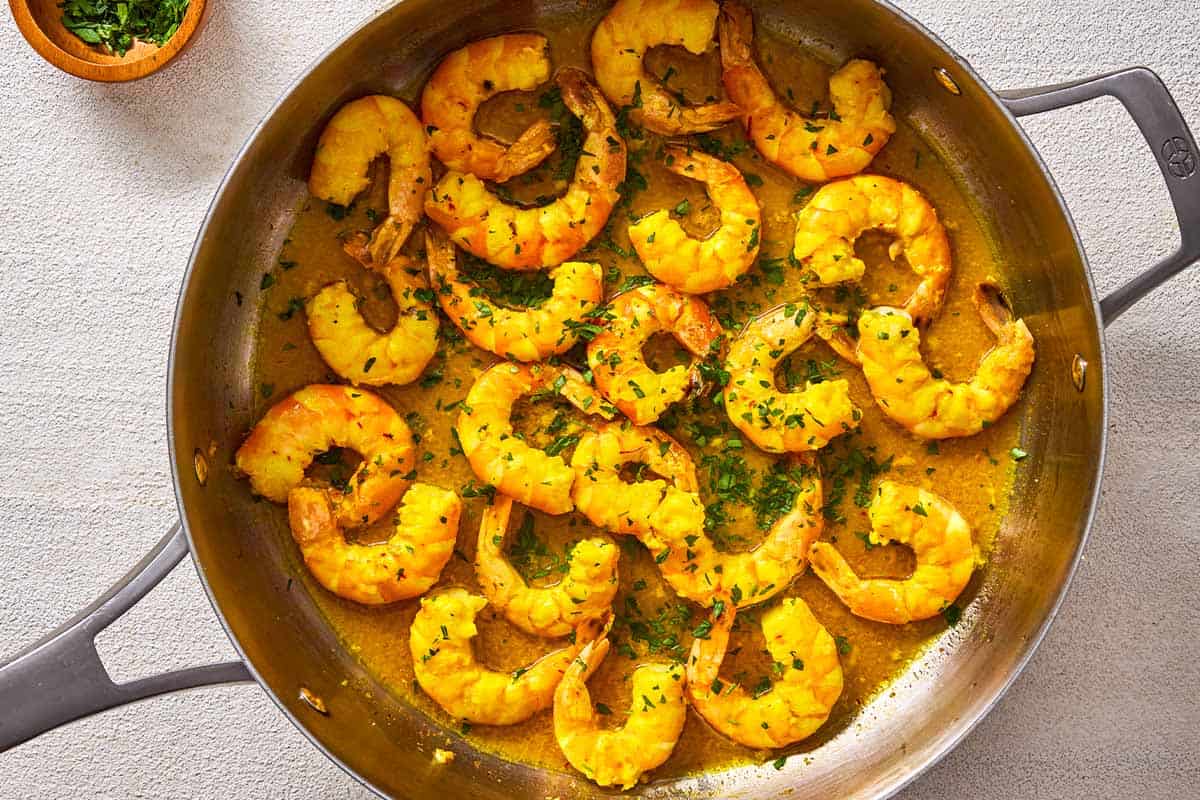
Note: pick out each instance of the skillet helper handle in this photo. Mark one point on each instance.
(1147, 100)
(61, 678)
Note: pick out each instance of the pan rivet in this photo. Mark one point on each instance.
(1079, 371)
(948, 83)
(313, 701)
(200, 463)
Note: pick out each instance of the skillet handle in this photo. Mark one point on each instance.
(61, 678)
(1157, 116)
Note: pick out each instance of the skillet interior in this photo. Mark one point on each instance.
(277, 626)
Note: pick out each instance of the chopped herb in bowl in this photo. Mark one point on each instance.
(115, 25)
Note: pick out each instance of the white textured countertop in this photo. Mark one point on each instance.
(102, 189)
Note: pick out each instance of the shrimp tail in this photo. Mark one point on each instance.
(592, 634)
(532, 147)
(387, 239)
(992, 306)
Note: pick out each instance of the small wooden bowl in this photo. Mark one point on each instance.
(40, 22)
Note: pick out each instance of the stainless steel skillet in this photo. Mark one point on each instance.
(285, 642)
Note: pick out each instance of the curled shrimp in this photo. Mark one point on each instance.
(498, 456)
(840, 212)
(467, 78)
(808, 679)
(444, 665)
(665, 513)
(532, 238)
(609, 502)
(422, 536)
(812, 149)
(619, 756)
(889, 348)
(615, 354)
(939, 537)
(782, 422)
(313, 419)
(619, 44)
(584, 593)
(530, 334)
(697, 266)
(696, 569)
(357, 134)
(363, 355)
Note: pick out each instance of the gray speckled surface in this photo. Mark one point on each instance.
(89, 269)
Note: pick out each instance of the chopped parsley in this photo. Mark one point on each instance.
(504, 286)
(115, 24)
(660, 633)
(532, 557)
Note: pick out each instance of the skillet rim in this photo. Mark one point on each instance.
(964, 725)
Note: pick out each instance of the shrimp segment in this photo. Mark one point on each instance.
(889, 347)
(358, 133)
(697, 266)
(406, 565)
(584, 593)
(800, 699)
(812, 149)
(693, 566)
(633, 508)
(498, 456)
(939, 537)
(310, 421)
(619, 756)
(532, 238)
(615, 354)
(363, 355)
(621, 40)
(840, 212)
(444, 664)
(531, 334)
(780, 422)
(467, 78)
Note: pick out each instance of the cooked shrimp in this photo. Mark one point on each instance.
(498, 456)
(620, 507)
(691, 563)
(621, 40)
(807, 684)
(939, 537)
(889, 347)
(530, 334)
(782, 422)
(584, 593)
(358, 133)
(697, 266)
(812, 149)
(363, 355)
(615, 354)
(468, 77)
(666, 515)
(619, 756)
(532, 238)
(406, 565)
(444, 665)
(840, 212)
(310, 421)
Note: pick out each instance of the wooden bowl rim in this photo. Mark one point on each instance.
(148, 64)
